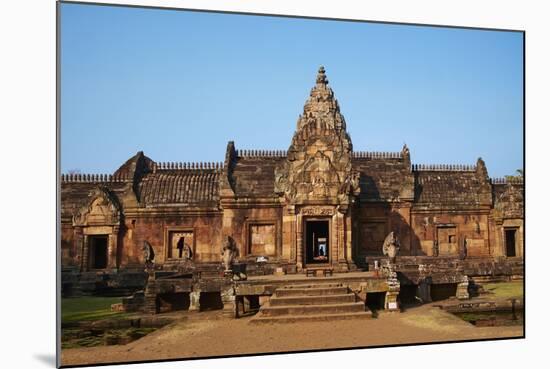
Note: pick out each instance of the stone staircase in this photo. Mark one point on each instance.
(311, 302)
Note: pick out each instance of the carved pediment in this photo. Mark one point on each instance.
(102, 209)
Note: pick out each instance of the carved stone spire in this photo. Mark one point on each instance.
(318, 167)
(321, 108)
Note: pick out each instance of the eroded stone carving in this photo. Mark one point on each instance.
(148, 255)
(230, 252)
(391, 246)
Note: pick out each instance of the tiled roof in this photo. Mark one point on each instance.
(381, 178)
(187, 186)
(254, 176)
(448, 188)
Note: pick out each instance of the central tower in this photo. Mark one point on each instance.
(317, 183)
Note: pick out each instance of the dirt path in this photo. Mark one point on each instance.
(209, 334)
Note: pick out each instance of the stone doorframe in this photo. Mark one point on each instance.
(83, 252)
(102, 215)
(339, 234)
(331, 247)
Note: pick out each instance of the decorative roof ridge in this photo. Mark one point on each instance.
(377, 154)
(443, 168)
(504, 180)
(157, 166)
(262, 153)
(94, 178)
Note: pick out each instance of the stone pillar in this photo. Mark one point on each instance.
(338, 253)
(112, 248)
(229, 302)
(289, 234)
(348, 239)
(462, 289)
(85, 254)
(150, 295)
(299, 243)
(79, 247)
(194, 301)
(424, 290)
(391, 303)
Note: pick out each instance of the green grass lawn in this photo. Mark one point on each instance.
(505, 290)
(89, 308)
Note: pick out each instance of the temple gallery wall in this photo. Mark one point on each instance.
(320, 204)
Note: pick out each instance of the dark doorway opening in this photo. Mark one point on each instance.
(510, 242)
(407, 295)
(98, 252)
(443, 291)
(317, 242)
(375, 302)
(174, 301)
(210, 301)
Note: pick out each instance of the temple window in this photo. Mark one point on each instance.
(181, 245)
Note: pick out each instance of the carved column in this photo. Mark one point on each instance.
(79, 246)
(85, 254)
(340, 238)
(112, 248)
(299, 243)
(348, 240)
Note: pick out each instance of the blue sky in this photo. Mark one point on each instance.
(178, 85)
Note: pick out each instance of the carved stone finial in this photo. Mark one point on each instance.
(321, 77)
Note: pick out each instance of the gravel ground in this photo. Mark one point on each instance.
(209, 334)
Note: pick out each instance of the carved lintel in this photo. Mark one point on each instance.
(318, 211)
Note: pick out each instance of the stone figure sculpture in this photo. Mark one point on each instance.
(463, 252)
(148, 254)
(186, 253)
(391, 246)
(229, 253)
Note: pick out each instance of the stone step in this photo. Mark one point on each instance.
(262, 319)
(351, 307)
(313, 285)
(312, 300)
(311, 291)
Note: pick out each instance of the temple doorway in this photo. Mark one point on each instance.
(510, 242)
(98, 252)
(317, 242)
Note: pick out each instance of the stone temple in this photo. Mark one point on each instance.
(319, 206)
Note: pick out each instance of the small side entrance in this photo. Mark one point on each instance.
(510, 242)
(317, 242)
(98, 252)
